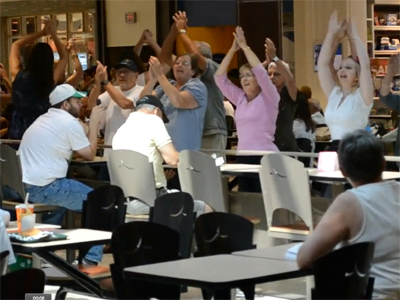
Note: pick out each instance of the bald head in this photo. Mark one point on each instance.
(204, 48)
(315, 105)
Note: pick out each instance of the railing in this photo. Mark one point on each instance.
(234, 152)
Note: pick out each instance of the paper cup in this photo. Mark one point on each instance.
(21, 212)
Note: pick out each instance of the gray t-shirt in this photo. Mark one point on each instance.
(185, 125)
(214, 121)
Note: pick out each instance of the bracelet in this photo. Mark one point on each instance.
(247, 48)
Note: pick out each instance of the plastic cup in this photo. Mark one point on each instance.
(21, 211)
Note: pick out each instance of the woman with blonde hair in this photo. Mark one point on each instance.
(350, 95)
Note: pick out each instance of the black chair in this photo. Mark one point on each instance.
(304, 146)
(16, 284)
(4, 262)
(344, 273)
(223, 233)
(104, 209)
(140, 243)
(175, 211)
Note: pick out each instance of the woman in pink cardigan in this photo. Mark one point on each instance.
(256, 106)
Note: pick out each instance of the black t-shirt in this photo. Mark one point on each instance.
(284, 136)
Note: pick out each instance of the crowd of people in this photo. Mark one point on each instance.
(150, 112)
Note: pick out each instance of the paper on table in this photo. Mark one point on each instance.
(28, 222)
(291, 254)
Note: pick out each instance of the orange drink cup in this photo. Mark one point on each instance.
(21, 211)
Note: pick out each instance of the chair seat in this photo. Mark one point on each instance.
(297, 228)
(55, 274)
(254, 220)
(38, 207)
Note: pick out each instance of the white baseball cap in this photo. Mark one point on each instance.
(62, 92)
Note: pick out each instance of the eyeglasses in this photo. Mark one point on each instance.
(183, 63)
(247, 75)
(274, 74)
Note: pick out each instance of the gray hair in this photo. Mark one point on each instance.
(146, 107)
(273, 64)
(205, 49)
(361, 156)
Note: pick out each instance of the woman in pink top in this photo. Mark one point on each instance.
(256, 103)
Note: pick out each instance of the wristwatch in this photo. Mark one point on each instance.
(104, 82)
(276, 58)
(182, 31)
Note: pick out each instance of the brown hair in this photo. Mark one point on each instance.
(193, 62)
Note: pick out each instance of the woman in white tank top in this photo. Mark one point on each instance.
(350, 89)
(367, 213)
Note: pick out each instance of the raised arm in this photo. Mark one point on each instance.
(228, 89)
(365, 79)
(59, 70)
(149, 40)
(166, 55)
(139, 45)
(385, 94)
(241, 41)
(15, 53)
(190, 46)
(283, 68)
(337, 40)
(179, 99)
(149, 87)
(117, 96)
(326, 78)
(75, 78)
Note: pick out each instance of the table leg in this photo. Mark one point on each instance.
(80, 278)
(337, 189)
(69, 215)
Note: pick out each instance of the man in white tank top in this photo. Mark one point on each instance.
(367, 213)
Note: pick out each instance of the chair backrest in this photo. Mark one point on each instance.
(344, 273)
(142, 243)
(105, 208)
(285, 185)
(134, 173)
(201, 178)
(12, 172)
(16, 284)
(175, 210)
(4, 262)
(222, 233)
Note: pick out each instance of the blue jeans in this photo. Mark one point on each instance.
(66, 193)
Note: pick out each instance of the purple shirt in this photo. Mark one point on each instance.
(255, 120)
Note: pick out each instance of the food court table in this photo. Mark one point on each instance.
(76, 238)
(217, 272)
(276, 252)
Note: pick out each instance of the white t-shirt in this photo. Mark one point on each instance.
(47, 146)
(115, 116)
(351, 115)
(229, 111)
(318, 118)
(380, 203)
(300, 132)
(5, 243)
(141, 80)
(145, 134)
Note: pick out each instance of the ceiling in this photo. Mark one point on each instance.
(10, 8)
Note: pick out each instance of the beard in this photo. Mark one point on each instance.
(73, 111)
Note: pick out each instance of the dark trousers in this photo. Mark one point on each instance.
(248, 183)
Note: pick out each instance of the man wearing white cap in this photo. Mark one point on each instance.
(46, 148)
